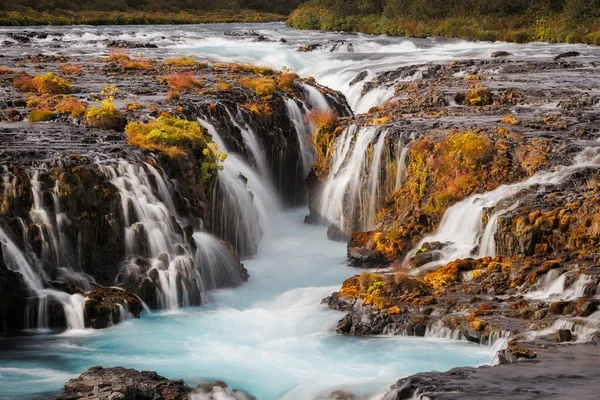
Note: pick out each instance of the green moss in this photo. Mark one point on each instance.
(41, 116)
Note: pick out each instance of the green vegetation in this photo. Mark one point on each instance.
(141, 12)
(515, 21)
(105, 116)
(41, 116)
(177, 138)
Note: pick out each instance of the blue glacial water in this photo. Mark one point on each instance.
(270, 337)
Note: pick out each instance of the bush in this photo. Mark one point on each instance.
(479, 97)
(263, 87)
(41, 116)
(71, 106)
(24, 83)
(105, 116)
(181, 62)
(52, 84)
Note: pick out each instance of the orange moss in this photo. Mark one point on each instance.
(70, 69)
(72, 106)
(24, 83)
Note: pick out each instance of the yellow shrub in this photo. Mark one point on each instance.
(105, 116)
(181, 62)
(479, 97)
(286, 80)
(264, 87)
(171, 136)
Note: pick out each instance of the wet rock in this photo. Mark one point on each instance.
(335, 233)
(309, 47)
(13, 299)
(563, 335)
(121, 383)
(359, 77)
(429, 252)
(108, 306)
(501, 53)
(568, 54)
(124, 44)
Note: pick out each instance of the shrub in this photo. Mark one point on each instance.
(131, 63)
(51, 84)
(24, 83)
(70, 69)
(105, 116)
(263, 87)
(41, 116)
(479, 97)
(224, 86)
(183, 82)
(323, 120)
(72, 106)
(181, 62)
(286, 80)
(4, 70)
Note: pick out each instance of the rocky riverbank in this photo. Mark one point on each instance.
(488, 228)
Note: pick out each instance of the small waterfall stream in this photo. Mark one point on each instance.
(366, 168)
(462, 228)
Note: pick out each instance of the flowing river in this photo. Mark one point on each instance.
(270, 337)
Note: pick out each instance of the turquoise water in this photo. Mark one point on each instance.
(270, 337)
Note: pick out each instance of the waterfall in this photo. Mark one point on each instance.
(37, 312)
(155, 231)
(216, 263)
(244, 203)
(462, 228)
(316, 99)
(297, 116)
(250, 140)
(360, 177)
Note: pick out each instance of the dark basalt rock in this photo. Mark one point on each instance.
(13, 299)
(568, 54)
(105, 306)
(121, 383)
(129, 384)
(561, 372)
(124, 44)
(501, 54)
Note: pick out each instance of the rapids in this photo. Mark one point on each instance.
(270, 337)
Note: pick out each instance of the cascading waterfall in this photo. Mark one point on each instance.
(38, 307)
(155, 231)
(461, 228)
(362, 176)
(297, 116)
(244, 202)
